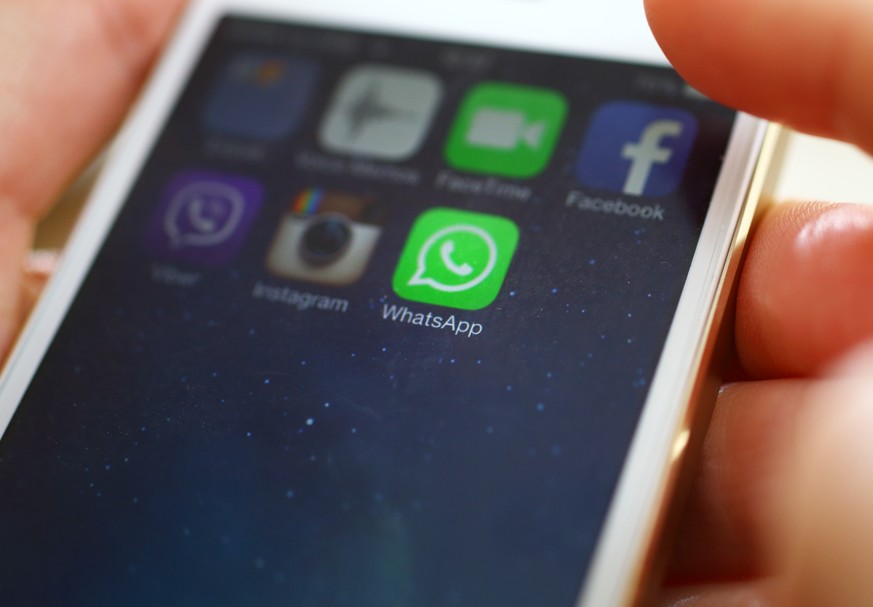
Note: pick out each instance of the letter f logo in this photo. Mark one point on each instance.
(648, 152)
(636, 149)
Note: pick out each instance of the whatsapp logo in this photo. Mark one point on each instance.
(455, 258)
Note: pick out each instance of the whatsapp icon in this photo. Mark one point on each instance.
(455, 258)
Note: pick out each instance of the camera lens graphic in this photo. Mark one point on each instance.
(325, 240)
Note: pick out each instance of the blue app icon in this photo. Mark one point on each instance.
(636, 148)
(260, 96)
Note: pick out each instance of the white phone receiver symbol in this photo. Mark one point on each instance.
(446, 251)
(441, 245)
(198, 218)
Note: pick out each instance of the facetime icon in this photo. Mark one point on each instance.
(506, 129)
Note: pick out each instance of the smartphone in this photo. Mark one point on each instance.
(377, 304)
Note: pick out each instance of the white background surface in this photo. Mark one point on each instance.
(824, 170)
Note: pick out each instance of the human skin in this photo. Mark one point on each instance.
(779, 514)
(68, 73)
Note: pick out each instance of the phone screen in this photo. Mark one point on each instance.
(374, 327)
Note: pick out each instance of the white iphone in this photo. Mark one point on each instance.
(377, 304)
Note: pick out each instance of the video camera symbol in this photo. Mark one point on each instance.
(505, 130)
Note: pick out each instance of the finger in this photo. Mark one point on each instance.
(15, 236)
(757, 593)
(803, 62)
(806, 290)
(38, 268)
(804, 299)
(723, 523)
(821, 529)
(68, 71)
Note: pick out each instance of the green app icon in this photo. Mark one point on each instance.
(506, 129)
(455, 258)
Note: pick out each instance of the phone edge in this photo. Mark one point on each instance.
(643, 557)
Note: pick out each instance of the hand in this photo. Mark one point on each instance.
(757, 526)
(782, 510)
(68, 72)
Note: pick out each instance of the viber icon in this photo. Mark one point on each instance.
(203, 217)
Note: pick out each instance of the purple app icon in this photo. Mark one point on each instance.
(203, 217)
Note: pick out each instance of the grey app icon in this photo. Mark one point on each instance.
(380, 112)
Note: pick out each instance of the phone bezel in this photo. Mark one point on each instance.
(562, 26)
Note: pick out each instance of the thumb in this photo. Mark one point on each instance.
(822, 540)
(803, 62)
(68, 71)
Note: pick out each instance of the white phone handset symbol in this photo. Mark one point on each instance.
(198, 217)
(446, 251)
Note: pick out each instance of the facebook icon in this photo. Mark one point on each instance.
(636, 148)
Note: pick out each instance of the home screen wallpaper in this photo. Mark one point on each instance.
(374, 327)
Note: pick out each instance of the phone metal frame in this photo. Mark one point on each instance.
(614, 31)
